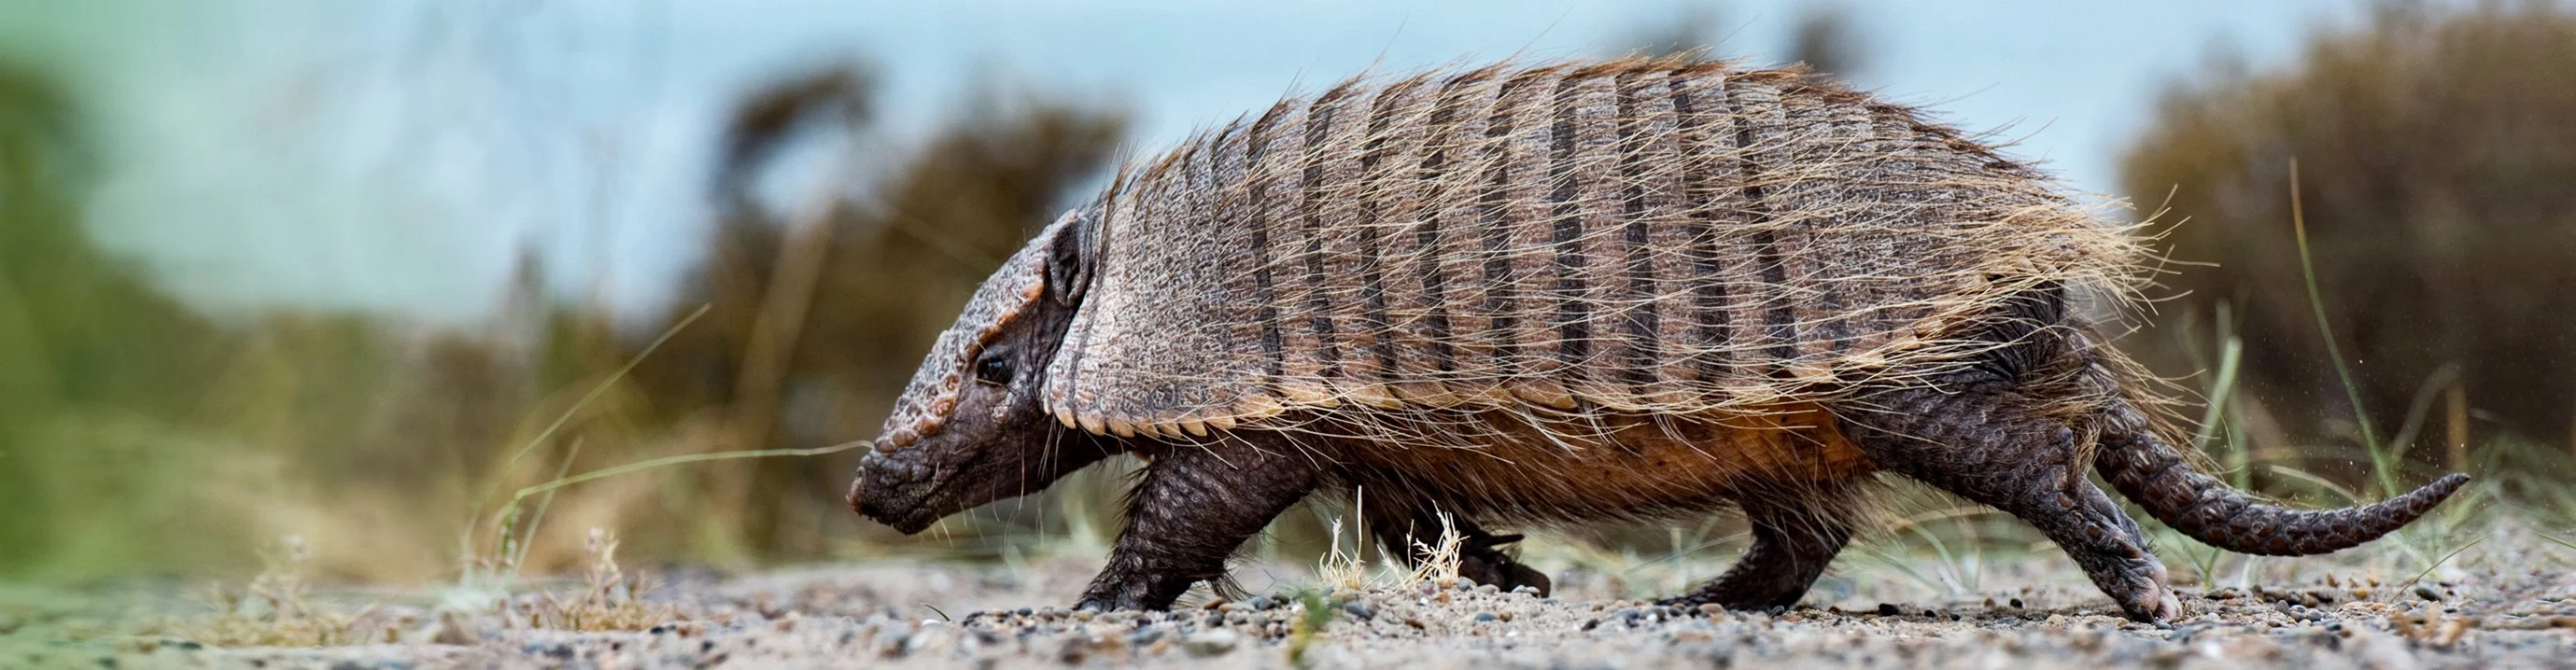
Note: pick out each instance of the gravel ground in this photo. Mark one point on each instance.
(2496, 608)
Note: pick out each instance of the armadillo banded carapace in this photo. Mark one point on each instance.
(1636, 236)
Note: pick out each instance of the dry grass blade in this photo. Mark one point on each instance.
(466, 543)
(511, 509)
(2437, 564)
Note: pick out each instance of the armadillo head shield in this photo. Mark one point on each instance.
(970, 428)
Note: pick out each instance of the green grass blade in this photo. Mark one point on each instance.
(519, 556)
(2228, 358)
(2379, 465)
(2442, 378)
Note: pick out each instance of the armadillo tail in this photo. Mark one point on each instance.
(2150, 471)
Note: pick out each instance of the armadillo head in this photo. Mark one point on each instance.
(970, 429)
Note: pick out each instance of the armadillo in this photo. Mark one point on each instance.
(1565, 292)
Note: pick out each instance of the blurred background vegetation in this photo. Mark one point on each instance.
(143, 433)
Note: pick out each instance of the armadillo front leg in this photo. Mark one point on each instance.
(1987, 443)
(1793, 540)
(1194, 506)
(1408, 524)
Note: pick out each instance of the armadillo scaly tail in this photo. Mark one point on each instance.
(2148, 469)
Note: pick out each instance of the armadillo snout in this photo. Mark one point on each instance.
(891, 489)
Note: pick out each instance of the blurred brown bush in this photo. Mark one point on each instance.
(2437, 164)
(819, 315)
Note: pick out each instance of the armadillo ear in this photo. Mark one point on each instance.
(1070, 258)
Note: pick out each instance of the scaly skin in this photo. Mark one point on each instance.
(1793, 541)
(1190, 511)
(2154, 474)
(1982, 440)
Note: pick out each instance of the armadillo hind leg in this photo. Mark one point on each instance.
(1408, 524)
(1986, 442)
(1191, 509)
(1794, 538)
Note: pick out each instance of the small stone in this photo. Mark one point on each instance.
(2427, 592)
(1210, 643)
(1482, 617)
(1259, 603)
(1359, 610)
(1712, 609)
(2016, 603)
(1887, 609)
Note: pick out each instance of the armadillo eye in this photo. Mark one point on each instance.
(993, 368)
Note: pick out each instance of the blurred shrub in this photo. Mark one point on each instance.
(137, 435)
(2438, 169)
(79, 331)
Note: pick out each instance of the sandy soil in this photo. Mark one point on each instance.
(2500, 608)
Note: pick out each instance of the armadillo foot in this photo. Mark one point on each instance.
(1985, 442)
(1794, 538)
(1192, 508)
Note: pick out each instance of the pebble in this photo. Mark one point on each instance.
(1359, 610)
(1210, 643)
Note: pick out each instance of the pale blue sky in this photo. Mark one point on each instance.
(395, 156)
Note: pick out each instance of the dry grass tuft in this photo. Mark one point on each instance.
(1350, 571)
(610, 599)
(1440, 561)
(275, 610)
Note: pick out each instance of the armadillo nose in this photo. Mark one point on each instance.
(880, 484)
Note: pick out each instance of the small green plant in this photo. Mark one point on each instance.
(1301, 634)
